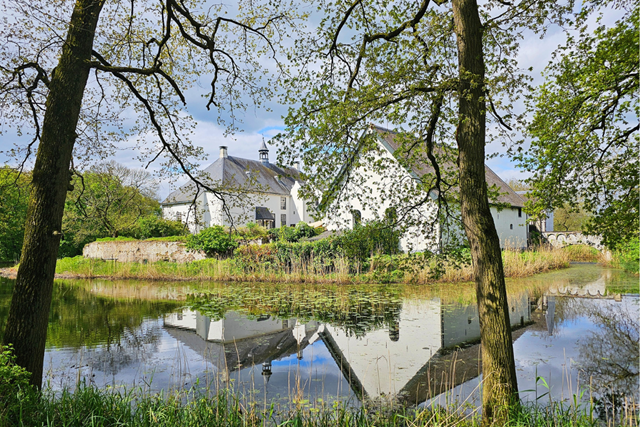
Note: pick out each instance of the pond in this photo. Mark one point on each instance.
(575, 332)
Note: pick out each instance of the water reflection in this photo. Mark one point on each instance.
(583, 342)
(294, 344)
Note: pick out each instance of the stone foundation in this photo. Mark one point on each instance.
(141, 251)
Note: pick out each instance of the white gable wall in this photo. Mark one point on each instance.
(512, 229)
(379, 190)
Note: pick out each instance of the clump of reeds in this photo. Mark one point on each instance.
(582, 253)
(516, 264)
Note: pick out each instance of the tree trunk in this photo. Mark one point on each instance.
(26, 327)
(500, 385)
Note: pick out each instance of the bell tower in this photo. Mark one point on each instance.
(264, 153)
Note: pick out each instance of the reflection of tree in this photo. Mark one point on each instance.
(79, 318)
(609, 356)
(133, 346)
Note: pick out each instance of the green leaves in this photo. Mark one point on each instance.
(108, 201)
(14, 196)
(213, 241)
(585, 144)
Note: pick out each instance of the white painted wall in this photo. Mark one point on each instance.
(372, 192)
(512, 229)
(211, 212)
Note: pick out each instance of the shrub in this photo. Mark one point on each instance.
(320, 255)
(302, 230)
(213, 241)
(252, 231)
(154, 226)
(372, 238)
(628, 255)
(116, 239)
(14, 382)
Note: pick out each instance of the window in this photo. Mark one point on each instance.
(519, 212)
(283, 203)
(283, 220)
(179, 216)
(356, 217)
(511, 226)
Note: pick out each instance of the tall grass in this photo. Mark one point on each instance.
(516, 264)
(583, 253)
(90, 406)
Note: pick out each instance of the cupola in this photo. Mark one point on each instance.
(264, 153)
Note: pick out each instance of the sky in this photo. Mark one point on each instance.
(263, 123)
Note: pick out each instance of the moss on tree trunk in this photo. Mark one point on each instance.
(26, 326)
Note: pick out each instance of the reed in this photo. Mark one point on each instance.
(516, 264)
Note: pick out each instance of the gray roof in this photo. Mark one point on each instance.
(234, 173)
(507, 194)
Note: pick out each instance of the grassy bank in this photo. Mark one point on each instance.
(90, 406)
(395, 269)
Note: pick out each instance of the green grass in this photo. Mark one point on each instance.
(167, 239)
(90, 406)
(116, 239)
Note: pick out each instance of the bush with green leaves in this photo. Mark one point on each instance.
(367, 240)
(627, 255)
(321, 254)
(155, 226)
(214, 241)
(251, 232)
(301, 231)
(355, 247)
(14, 383)
(14, 198)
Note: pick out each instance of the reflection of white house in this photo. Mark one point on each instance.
(237, 341)
(383, 186)
(258, 191)
(384, 363)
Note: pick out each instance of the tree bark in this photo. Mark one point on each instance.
(26, 327)
(500, 385)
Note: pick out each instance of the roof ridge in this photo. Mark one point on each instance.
(503, 181)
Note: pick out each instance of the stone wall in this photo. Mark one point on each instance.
(560, 239)
(141, 251)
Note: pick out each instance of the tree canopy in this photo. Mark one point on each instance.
(585, 131)
(430, 71)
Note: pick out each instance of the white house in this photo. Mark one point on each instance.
(381, 185)
(543, 224)
(254, 191)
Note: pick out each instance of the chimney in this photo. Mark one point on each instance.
(296, 165)
(223, 152)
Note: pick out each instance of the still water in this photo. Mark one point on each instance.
(577, 329)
